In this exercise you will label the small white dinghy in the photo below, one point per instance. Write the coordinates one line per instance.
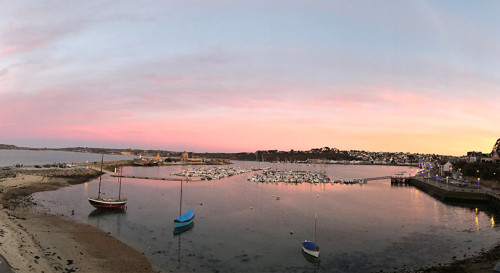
(310, 248)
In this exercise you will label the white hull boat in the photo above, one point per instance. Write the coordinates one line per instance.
(310, 248)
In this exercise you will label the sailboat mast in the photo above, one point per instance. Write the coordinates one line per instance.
(100, 178)
(180, 206)
(315, 220)
(120, 187)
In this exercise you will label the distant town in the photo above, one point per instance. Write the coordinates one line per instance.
(324, 155)
(474, 164)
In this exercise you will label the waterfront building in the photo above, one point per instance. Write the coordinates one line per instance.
(185, 157)
(158, 158)
(446, 169)
(493, 157)
(474, 157)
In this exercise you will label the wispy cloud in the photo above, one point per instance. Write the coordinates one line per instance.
(247, 76)
(7, 50)
(168, 79)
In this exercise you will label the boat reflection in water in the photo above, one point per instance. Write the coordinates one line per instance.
(99, 212)
(179, 230)
(313, 260)
(107, 219)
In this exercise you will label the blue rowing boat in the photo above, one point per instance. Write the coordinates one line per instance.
(310, 248)
(185, 219)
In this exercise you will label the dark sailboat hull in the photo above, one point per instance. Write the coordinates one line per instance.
(107, 203)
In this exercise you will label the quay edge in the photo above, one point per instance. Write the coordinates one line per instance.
(451, 193)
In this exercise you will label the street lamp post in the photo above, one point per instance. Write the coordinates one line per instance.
(478, 179)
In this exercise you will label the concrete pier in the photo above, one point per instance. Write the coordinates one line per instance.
(448, 192)
(399, 180)
(157, 178)
(377, 178)
(494, 199)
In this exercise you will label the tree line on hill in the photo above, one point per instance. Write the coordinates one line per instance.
(282, 156)
(488, 171)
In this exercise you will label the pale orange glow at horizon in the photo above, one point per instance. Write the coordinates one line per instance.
(220, 83)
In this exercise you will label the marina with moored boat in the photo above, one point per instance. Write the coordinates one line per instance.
(214, 173)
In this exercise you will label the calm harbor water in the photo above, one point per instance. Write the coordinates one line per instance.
(29, 158)
(241, 227)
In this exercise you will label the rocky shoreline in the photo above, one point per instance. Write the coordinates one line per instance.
(34, 241)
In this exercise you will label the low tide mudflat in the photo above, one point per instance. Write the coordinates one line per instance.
(34, 241)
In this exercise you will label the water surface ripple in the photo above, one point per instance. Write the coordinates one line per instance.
(241, 227)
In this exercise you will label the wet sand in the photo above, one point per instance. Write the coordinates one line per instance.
(33, 241)
(483, 262)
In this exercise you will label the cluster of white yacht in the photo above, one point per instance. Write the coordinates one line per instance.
(275, 176)
(314, 177)
(214, 172)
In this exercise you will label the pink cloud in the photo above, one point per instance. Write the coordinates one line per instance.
(231, 121)
(7, 50)
(168, 79)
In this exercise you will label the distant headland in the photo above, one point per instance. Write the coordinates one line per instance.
(316, 155)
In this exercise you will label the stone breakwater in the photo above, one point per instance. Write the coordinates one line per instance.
(74, 175)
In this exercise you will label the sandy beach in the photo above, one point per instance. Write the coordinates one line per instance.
(34, 241)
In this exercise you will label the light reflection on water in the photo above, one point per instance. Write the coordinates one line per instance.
(240, 226)
(27, 157)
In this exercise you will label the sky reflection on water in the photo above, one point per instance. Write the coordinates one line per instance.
(240, 226)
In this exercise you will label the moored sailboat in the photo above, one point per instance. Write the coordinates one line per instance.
(311, 248)
(102, 203)
(184, 219)
(107, 203)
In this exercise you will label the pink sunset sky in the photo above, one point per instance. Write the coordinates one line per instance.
(241, 76)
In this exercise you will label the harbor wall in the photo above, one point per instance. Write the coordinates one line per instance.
(449, 193)
(494, 200)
